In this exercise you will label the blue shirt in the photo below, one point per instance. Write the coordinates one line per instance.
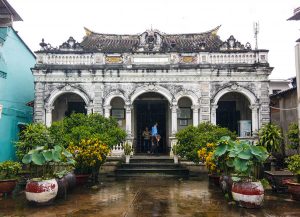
(154, 131)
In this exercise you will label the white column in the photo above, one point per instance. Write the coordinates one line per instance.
(128, 119)
(195, 115)
(174, 108)
(254, 109)
(213, 117)
(48, 116)
(107, 111)
(89, 109)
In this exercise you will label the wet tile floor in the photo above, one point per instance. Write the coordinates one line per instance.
(142, 197)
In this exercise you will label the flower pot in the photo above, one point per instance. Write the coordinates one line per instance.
(214, 179)
(7, 186)
(127, 159)
(82, 179)
(248, 194)
(41, 192)
(71, 180)
(294, 190)
(175, 159)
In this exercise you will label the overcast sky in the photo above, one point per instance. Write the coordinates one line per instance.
(56, 20)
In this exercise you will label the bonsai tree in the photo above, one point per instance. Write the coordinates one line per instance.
(293, 163)
(270, 137)
(293, 136)
(191, 139)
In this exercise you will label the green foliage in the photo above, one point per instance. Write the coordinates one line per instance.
(175, 149)
(34, 135)
(294, 165)
(80, 126)
(293, 136)
(191, 139)
(127, 149)
(9, 170)
(270, 137)
(48, 161)
(239, 156)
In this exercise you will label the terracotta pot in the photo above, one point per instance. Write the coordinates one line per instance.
(7, 186)
(294, 190)
(82, 179)
(215, 179)
(41, 192)
(248, 194)
(71, 180)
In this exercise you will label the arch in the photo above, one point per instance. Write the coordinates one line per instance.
(112, 95)
(189, 94)
(235, 88)
(68, 89)
(152, 88)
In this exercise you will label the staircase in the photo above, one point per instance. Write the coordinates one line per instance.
(151, 166)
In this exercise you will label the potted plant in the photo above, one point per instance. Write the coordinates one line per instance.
(293, 136)
(127, 151)
(45, 163)
(242, 157)
(89, 155)
(175, 153)
(293, 163)
(8, 176)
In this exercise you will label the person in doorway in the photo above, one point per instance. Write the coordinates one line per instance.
(146, 135)
(154, 134)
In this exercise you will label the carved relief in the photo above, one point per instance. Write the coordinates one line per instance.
(188, 59)
(113, 59)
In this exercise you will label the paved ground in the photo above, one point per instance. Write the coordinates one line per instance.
(144, 197)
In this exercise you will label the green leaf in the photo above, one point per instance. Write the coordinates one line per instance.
(67, 154)
(38, 159)
(48, 155)
(240, 165)
(245, 155)
(56, 156)
(58, 148)
(27, 159)
(221, 149)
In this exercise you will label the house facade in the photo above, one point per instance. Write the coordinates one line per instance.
(16, 82)
(175, 80)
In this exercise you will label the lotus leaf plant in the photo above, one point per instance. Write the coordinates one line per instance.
(239, 157)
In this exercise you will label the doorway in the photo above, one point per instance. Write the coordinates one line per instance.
(149, 110)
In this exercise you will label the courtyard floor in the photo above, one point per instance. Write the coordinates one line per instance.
(149, 197)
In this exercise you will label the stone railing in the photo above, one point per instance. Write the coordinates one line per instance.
(118, 150)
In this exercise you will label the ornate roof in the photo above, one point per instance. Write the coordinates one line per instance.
(152, 41)
(6, 10)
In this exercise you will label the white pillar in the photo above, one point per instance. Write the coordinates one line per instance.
(107, 111)
(128, 119)
(213, 116)
(89, 109)
(254, 109)
(174, 108)
(48, 116)
(195, 115)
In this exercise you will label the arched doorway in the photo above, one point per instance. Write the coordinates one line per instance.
(234, 113)
(185, 114)
(150, 108)
(118, 111)
(66, 104)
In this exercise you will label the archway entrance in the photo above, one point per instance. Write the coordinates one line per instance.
(66, 104)
(234, 113)
(149, 109)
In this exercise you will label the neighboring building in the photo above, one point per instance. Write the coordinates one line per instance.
(284, 108)
(16, 81)
(173, 79)
(277, 85)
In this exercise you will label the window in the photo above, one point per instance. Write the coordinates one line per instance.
(118, 113)
(184, 113)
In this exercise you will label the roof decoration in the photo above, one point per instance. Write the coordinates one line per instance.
(233, 44)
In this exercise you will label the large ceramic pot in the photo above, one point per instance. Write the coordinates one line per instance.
(71, 180)
(7, 186)
(294, 190)
(248, 194)
(41, 192)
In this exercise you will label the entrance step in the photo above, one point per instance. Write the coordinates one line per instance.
(151, 166)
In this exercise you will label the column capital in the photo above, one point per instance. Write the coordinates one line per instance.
(49, 108)
(214, 106)
(128, 108)
(195, 107)
(254, 106)
(174, 108)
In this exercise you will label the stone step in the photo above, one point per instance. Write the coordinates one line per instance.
(151, 164)
(151, 160)
(130, 172)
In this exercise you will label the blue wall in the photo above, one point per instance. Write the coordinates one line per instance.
(16, 89)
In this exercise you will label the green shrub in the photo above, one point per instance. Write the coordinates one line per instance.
(80, 126)
(293, 136)
(294, 165)
(270, 137)
(191, 139)
(9, 170)
(34, 135)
